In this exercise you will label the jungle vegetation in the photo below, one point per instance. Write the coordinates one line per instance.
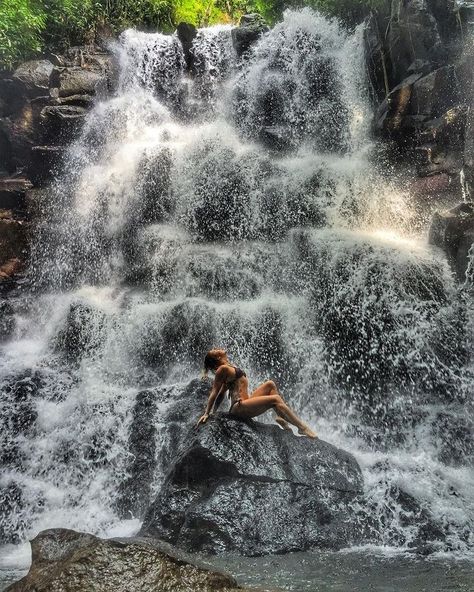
(32, 27)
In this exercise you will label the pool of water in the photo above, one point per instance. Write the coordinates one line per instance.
(14, 563)
(351, 572)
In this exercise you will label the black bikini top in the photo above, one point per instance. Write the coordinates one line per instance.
(238, 374)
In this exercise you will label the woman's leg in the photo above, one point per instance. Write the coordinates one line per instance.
(248, 408)
(267, 389)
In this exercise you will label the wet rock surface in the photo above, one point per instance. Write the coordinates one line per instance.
(251, 27)
(453, 231)
(42, 108)
(13, 246)
(417, 60)
(149, 425)
(186, 34)
(68, 561)
(254, 489)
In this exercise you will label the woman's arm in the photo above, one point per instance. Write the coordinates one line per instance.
(218, 388)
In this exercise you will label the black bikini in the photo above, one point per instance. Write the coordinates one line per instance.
(239, 373)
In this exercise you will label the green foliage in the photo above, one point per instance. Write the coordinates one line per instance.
(197, 12)
(30, 26)
(21, 25)
(209, 12)
(349, 11)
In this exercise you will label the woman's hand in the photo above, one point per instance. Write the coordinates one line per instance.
(203, 419)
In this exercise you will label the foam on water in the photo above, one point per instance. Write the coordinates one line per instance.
(237, 207)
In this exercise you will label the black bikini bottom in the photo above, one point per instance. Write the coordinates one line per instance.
(237, 402)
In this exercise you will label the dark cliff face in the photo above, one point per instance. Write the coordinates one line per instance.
(43, 105)
(419, 62)
(417, 56)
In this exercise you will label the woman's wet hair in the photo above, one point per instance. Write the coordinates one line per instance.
(211, 360)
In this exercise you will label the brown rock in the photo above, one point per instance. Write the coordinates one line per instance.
(13, 245)
(392, 110)
(69, 561)
(78, 80)
(34, 76)
(11, 268)
(12, 237)
(13, 192)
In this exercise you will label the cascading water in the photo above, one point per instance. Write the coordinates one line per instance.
(238, 207)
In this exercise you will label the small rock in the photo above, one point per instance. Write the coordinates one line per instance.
(186, 34)
(251, 27)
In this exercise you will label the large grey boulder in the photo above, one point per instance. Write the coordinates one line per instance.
(255, 489)
(68, 561)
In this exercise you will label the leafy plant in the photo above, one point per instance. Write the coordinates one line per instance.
(21, 26)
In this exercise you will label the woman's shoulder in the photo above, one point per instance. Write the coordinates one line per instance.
(225, 371)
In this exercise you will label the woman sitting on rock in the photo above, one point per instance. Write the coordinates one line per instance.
(234, 380)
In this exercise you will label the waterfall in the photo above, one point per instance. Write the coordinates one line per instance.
(242, 207)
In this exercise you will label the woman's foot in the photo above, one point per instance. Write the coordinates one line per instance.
(283, 424)
(306, 431)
